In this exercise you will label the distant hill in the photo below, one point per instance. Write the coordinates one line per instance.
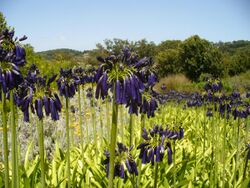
(232, 47)
(74, 57)
(63, 53)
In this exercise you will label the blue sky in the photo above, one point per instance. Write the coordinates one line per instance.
(80, 24)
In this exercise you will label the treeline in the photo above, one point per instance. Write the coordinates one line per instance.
(195, 57)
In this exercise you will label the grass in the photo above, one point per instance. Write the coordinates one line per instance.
(239, 82)
(179, 82)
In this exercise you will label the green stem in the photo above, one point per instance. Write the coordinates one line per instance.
(213, 153)
(216, 154)
(131, 133)
(68, 140)
(5, 141)
(162, 114)
(13, 141)
(107, 118)
(195, 144)
(237, 152)
(113, 142)
(174, 163)
(94, 119)
(80, 118)
(122, 123)
(245, 166)
(18, 149)
(84, 112)
(224, 148)
(143, 121)
(156, 175)
(41, 150)
(101, 122)
(204, 132)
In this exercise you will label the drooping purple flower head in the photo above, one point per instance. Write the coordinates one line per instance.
(35, 94)
(213, 86)
(123, 158)
(12, 56)
(126, 76)
(67, 83)
(152, 149)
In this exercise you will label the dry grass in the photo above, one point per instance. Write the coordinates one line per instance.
(178, 82)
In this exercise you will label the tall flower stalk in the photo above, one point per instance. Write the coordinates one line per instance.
(113, 142)
(107, 117)
(125, 75)
(41, 150)
(5, 140)
(12, 56)
(68, 139)
(156, 142)
(213, 87)
(80, 118)
(101, 122)
(93, 118)
(35, 94)
(13, 141)
(156, 175)
(143, 124)
(174, 163)
(84, 112)
(122, 123)
(246, 161)
(80, 73)
(131, 132)
(224, 148)
(237, 151)
(67, 85)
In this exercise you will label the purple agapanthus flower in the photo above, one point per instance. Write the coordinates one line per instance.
(123, 159)
(127, 76)
(67, 83)
(34, 94)
(156, 141)
(12, 57)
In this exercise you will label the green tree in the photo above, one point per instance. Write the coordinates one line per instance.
(3, 23)
(168, 62)
(239, 62)
(168, 44)
(199, 56)
(142, 47)
(116, 45)
(145, 48)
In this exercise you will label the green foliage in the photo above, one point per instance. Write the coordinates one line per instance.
(239, 62)
(168, 44)
(239, 82)
(50, 62)
(199, 56)
(168, 62)
(3, 24)
(192, 169)
(145, 48)
(193, 57)
(116, 45)
(142, 47)
(60, 54)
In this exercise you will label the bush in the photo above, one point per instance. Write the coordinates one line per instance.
(240, 82)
